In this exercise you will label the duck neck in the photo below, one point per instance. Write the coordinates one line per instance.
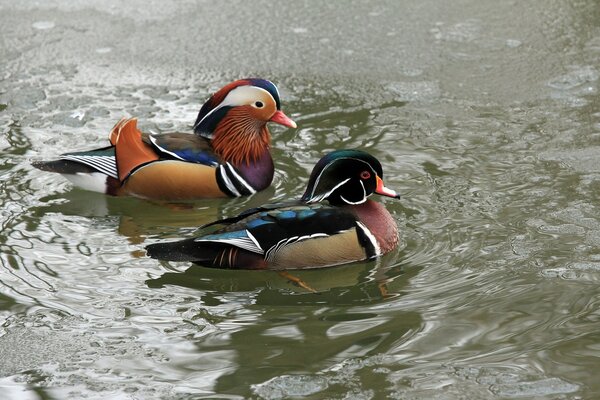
(379, 222)
(240, 139)
(258, 173)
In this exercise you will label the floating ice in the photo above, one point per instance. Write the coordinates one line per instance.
(286, 386)
(43, 25)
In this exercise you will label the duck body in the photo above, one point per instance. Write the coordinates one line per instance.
(301, 234)
(226, 156)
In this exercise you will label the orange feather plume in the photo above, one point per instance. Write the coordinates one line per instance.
(114, 132)
(130, 150)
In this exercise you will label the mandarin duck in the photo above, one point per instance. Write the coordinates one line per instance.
(228, 154)
(306, 233)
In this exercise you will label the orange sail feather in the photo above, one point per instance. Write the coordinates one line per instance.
(130, 150)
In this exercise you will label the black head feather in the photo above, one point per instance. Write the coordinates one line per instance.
(344, 177)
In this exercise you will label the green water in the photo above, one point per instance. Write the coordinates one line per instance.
(485, 115)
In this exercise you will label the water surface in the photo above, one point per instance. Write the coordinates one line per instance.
(485, 115)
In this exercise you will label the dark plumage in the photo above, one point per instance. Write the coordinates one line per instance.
(306, 233)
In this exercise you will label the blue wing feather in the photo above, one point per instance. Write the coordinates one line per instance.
(200, 157)
(275, 227)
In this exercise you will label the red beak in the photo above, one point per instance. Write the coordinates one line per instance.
(382, 190)
(280, 118)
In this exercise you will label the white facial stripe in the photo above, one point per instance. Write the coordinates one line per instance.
(239, 96)
(364, 198)
(277, 92)
(325, 195)
(243, 95)
(353, 202)
(327, 166)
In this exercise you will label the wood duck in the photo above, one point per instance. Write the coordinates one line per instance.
(228, 154)
(306, 233)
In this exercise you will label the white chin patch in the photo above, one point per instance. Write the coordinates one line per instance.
(353, 203)
(95, 181)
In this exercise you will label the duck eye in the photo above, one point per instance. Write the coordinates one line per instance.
(259, 104)
(365, 175)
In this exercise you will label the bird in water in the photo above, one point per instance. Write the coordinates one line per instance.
(333, 223)
(226, 156)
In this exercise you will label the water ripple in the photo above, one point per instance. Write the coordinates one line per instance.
(490, 138)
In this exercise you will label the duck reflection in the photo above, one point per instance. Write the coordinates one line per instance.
(281, 326)
(139, 219)
(365, 280)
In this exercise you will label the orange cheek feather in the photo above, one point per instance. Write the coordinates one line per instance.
(240, 137)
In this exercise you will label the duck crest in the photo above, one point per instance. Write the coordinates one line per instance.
(228, 154)
(240, 139)
(217, 98)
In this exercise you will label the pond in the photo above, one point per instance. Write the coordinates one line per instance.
(486, 118)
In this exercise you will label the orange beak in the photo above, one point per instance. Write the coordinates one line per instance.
(382, 190)
(280, 118)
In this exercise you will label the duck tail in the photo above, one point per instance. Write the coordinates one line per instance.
(183, 250)
(206, 254)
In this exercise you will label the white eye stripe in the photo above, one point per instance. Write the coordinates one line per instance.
(239, 96)
(276, 92)
(243, 95)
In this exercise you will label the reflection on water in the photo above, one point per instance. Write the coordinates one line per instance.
(489, 129)
(346, 285)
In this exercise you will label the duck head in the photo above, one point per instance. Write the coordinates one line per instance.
(235, 119)
(346, 177)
